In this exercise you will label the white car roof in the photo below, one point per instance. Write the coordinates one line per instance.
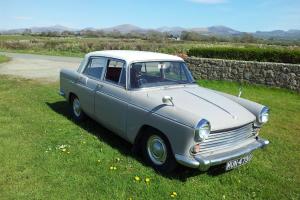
(134, 56)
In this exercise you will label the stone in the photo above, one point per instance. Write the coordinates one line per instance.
(273, 74)
(247, 75)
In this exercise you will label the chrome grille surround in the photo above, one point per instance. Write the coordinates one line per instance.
(219, 140)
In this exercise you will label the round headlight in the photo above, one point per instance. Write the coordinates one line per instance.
(264, 115)
(202, 130)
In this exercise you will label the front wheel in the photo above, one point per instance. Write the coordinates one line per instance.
(157, 152)
(77, 112)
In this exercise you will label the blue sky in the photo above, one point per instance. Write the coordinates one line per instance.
(243, 15)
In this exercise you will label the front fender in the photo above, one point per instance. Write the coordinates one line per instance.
(180, 136)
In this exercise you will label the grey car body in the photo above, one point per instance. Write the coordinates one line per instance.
(174, 110)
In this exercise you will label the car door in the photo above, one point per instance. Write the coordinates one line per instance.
(88, 83)
(111, 97)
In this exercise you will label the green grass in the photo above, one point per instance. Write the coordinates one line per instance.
(3, 59)
(34, 121)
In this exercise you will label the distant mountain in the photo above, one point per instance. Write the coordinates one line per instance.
(124, 28)
(176, 31)
(171, 30)
(56, 28)
(278, 34)
(212, 30)
(223, 30)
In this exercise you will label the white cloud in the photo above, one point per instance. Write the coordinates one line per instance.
(22, 18)
(208, 1)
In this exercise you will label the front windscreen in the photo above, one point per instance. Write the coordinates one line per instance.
(152, 74)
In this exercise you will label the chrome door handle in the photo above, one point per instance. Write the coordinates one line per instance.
(80, 78)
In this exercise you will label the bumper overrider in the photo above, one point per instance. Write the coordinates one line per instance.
(204, 162)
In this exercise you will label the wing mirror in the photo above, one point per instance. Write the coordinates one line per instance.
(167, 99)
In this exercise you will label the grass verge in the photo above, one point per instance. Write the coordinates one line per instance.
(4, 59)
(96, 164)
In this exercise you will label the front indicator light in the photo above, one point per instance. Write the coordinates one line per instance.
(196, 149)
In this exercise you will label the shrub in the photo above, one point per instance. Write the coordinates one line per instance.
(248, 54)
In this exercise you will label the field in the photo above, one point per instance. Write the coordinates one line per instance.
(78, 46)
(45, 155)
(3, 59)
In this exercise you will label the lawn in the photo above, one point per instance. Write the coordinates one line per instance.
(3, 59)
(45, 155)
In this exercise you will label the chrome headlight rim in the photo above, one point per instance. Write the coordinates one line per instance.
(202, 130)
(264, 115)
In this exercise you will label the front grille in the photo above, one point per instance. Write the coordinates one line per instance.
(224, 139)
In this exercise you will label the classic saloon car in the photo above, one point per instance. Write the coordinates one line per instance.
(152, 101)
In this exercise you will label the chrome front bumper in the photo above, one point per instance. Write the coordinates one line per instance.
(204, 162)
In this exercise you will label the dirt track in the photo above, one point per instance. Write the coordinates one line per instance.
(37, 66)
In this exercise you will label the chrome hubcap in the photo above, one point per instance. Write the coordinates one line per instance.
(157, 150)
(76, 107)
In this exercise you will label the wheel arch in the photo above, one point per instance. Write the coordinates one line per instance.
(71, 96)
(143, 130)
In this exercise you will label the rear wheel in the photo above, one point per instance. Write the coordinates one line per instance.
(157, 152)
(77, 112)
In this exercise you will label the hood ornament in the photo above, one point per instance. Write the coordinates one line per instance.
(167, 99)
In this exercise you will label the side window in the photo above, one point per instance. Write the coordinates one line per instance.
(116, 72)
(95, 67)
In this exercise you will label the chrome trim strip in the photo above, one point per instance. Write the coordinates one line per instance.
(173, 120)
(99, 92)
(167, 118)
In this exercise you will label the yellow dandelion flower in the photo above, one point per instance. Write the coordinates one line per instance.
(137, 178)
(111, 168)
(64, 150)
(147, 180)
(98, 161)
(172, 195)
(68, 152)
(114, 168)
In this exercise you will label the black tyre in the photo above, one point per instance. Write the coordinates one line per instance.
(157, 152)
(77, 113)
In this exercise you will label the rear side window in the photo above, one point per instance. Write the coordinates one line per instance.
(95, 67)
(116, 72)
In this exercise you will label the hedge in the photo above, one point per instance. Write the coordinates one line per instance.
(248, 54)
